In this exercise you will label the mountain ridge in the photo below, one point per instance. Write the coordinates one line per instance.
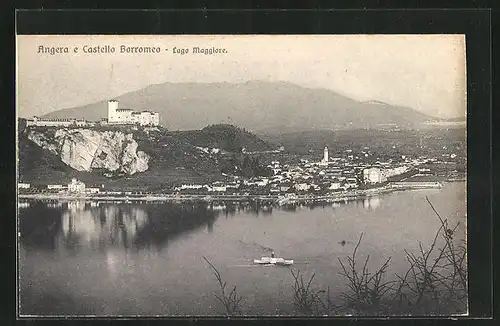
(254, 105)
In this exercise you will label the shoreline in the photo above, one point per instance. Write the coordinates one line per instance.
(279, 199)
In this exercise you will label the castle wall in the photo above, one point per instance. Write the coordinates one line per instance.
(146, 118)
(156, 119)
(55, 122)
(49, 123)
(115, 116)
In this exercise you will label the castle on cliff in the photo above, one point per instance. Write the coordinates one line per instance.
(129, 116)
(115, 116)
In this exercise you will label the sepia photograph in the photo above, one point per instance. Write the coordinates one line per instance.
(241, 175)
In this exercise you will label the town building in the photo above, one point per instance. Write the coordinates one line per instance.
(129, 116)
(92, 190)
(189, 186)
(302, 186)
(233, 185)
(284, 188)
(56, 187)
(274, 189)
(218, 188)
(395, 171)
(334, 186)
(22, 185)
(373, 175)
(324, 160)
(262, 182)
(76, 186)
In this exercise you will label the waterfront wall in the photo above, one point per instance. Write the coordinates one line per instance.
(416, 185)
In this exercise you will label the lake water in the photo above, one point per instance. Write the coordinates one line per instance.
(106, 259)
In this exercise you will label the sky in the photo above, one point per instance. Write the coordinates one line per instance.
(424, 72)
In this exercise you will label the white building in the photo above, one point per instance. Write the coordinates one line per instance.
(284, 188)
(115, 116)
(23, 185)
(262, 182)
(277, 179)
(56, 187)
(189, 186)
(373, 175)
(218, 188)
(302, 186)
(233, 185)
(395, 171)
(351, 183)
(76, 186)
(325, 155)
(334, 186)
(93, 190)
(129, 116)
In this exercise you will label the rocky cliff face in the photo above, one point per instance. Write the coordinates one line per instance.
(86, 149)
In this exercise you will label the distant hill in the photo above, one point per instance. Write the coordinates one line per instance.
(424, 141)
(256, 105)
(457, 120)
(225, 137)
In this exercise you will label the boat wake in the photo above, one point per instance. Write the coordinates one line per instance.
(249, 265)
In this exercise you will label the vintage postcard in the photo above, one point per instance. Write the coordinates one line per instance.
(250, 175)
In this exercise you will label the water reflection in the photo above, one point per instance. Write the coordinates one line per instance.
(54, 205)
(77, 225)
(39, 225)
(75, 206)
(371, 203)
(114, 280)
(101, 227)
(166, 222)
(255, 208)
(113, 261)
(23, 204)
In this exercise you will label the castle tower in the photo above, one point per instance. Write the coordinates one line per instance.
(112, 107)
(325, 154)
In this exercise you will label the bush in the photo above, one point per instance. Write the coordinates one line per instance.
(230, 301)
(367, 289)
(436, 280)
(434, 283)
(309, 301)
